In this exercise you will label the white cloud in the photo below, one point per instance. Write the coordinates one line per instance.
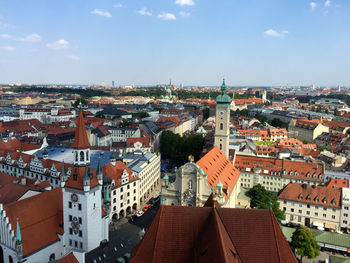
(327, 3)
(30, 38)
(5, 36)
(184, 2)
(101, 12)
(59, 44)
(118, 6)
(183, 13)
(7, 48)
(313, 5)
(144, 12)
(167, 16)
(274, 33)
(73, 57)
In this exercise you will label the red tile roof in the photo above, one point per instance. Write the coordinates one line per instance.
(81, 140)
(131, 141)
(16, 145)
(217, 167)
(206, 234)
(40, 219)
(76, 179)
(115, 172)
(70, 258)
(316, 195)
(338, 183)
(280, 167)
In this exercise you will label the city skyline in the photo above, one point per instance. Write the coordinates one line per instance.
(194, 42)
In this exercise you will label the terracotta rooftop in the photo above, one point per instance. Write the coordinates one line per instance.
(131, 141)
(207, 234)
(217, 167)
(81, 140)
(115, 172)
(40, 219)
(279, 167)
(76, 179)
(338, 183)
(70, 258)
(316, 195)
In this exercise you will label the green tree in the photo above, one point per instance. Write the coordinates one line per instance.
(205, 113)
(319, 109)
(100, 115)
(305, 243)
(336, 112)
(261, 118)
(260, 198)
(140, 114)
(83, 101)
(177, 149)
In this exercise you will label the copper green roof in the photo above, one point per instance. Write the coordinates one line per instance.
(18, 233)
(223, 98)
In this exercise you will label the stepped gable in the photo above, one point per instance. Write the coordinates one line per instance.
(40, 218)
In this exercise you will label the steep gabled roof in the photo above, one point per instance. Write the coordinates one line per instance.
(81, 140)
(218, 167)
(40, 219)
(206, 234)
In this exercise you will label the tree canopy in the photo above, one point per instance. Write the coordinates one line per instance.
(260, 198)
(177, 149)
(305, 243)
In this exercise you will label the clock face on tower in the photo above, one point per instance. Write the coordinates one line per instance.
(74, 198)
(221, 113)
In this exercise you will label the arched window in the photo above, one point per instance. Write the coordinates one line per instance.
(10, 259)
(87, 156)
(221, 126)
(82, 156)
(220, 146)
(52, 257)
(190, 184)
(76, 156)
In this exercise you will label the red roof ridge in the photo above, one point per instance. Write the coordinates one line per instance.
(272, 217)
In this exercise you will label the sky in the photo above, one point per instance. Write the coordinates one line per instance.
(191, 42)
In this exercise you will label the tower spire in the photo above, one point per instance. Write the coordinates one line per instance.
(81, 140)
(18, 233)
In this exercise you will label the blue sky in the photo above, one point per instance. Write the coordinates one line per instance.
(194, 42)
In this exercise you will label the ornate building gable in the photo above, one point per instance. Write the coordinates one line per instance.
(53, 170)
(9, 160)
(21, 162)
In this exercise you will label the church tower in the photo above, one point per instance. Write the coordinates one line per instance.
(85, 219)
(222, 121)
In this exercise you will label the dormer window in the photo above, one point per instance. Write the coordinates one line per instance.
(334, 202)
(308, 198)
(316, 199)
(324, 200)
(300, 197)
(296, 174)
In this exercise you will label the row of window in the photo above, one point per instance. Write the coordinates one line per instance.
(74, 243)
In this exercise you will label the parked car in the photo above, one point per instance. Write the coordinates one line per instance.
(146, 208)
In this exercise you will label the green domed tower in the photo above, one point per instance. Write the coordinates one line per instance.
(222, 120)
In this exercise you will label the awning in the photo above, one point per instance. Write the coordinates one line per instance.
(318, 224)
(330, 226)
